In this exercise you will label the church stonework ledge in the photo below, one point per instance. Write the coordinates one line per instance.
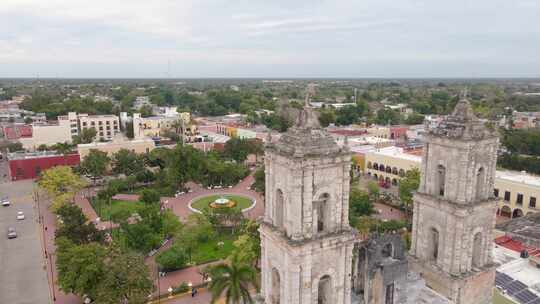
(306, 241)
(454, 209)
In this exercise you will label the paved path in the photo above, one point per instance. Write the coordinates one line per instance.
(385, 212)
(48, 229)
(179, 205)
(23, 279)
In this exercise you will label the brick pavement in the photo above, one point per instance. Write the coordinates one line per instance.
(179, 205)
(385, 212)
(48, 228)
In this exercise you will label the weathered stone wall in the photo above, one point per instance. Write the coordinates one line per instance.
(462, 161)
(382, 268)
(456, 227)
(303, 181)
(454, 209)
(305, 235)
(302, 264)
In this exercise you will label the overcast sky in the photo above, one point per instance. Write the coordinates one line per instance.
(270, 38)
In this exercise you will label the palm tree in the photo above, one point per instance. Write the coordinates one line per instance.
(233, 281)
(63, 148)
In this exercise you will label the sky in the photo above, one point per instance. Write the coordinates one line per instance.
(269, 38)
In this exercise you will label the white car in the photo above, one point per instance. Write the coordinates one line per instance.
(20, 215)
(5, 202)
(11, 233)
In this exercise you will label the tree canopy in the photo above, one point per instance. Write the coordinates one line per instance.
(408, 185)
(75, 227)
(61, 184)
(126, 162)
(95, 163)
(105, 274)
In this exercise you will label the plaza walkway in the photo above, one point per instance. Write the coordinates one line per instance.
(179, 205)
(48, 227)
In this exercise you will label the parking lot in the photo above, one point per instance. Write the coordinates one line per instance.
(22, 276)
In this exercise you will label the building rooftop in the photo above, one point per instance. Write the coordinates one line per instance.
(519, 177)
(397, 153)
(99, 116)
(115, 142)
(30, 155)
(525, 229)
(368, 140)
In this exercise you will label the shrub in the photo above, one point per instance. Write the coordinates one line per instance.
(173, 258)
(183, 287)
(149, 196)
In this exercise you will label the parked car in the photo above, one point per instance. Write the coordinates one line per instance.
(11, 233)
(20, 215)
(5, 202)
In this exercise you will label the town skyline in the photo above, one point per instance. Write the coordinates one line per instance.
(285, 40)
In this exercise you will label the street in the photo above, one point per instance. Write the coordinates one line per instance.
(22, 276)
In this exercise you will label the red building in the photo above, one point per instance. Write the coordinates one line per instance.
(30, 165)
(17, 131)
(398, 132)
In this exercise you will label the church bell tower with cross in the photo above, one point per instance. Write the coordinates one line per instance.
(306, 241)
(455, 209)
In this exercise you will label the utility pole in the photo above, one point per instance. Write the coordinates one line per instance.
(158, 288)
(52, 278)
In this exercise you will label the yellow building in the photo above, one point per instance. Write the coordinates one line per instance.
(139, 146)
(518, 191)
(389, 164)
(156, 126)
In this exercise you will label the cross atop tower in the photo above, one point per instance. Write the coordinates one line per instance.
(454, 208)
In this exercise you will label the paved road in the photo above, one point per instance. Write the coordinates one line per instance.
(22, 272)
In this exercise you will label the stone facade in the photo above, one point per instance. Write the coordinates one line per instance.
(306, 241)
(454, 209)
(380, 270)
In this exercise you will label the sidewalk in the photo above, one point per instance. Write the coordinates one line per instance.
(48, 226)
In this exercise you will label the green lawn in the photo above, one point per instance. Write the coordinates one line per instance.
(104, 209)
(210, 251)
(242, 202)
(500, 299)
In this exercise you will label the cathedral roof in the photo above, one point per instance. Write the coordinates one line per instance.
(307, 137)
(463, 124)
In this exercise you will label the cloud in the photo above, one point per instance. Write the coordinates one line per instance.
(246, 37)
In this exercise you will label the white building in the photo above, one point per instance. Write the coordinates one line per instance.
(106, 126)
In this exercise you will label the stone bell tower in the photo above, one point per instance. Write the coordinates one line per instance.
(306, 239)
(454, 208)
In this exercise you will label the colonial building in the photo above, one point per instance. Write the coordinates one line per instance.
(454, 209)
(307, 243)
(519, 191)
